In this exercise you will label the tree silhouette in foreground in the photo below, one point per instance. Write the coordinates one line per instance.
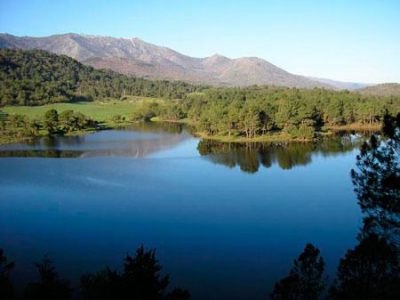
(6, 287)
(377, 180)
(305, 279)
(369, 271)
(140, 279)
(50, 285)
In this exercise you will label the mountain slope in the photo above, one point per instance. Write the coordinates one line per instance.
(342, 85)
(384, 89)
(136, 57)
(36, 77)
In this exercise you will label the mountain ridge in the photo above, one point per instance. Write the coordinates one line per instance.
(134, 56)
(383, 89)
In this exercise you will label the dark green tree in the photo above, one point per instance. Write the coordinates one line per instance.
(51, 121)
(6, 286)
(377, 179)
(305, 280)
(140, 279)
(370, 271)
(49, 286)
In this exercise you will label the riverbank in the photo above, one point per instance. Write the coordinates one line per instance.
(267, 138)
(356, 127)
(111, 114)
(276, 136)
(115, 114)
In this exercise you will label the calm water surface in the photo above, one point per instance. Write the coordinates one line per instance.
(226, 220)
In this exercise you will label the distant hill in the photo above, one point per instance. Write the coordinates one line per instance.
(342, 85)
(384, 89)
(36, 77)
(136, 57)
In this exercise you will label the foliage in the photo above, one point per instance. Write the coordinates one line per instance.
(377, 179)
(51, 121)
(259, 110)
(20, 126)
(6, 287)
(372, 269)
(146, 111)
(140, 279)
(369, 271)
(305, 280)
(50, 286)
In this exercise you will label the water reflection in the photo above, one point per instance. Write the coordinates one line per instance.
(139, 140)
(41, 153)
(143, 139)
(249, 157)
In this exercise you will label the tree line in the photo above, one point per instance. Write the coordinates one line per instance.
(141, 278)
(52, 123)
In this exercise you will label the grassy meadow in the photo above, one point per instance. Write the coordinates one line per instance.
(102, 111)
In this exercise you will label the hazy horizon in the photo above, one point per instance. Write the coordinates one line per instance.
(346, 41)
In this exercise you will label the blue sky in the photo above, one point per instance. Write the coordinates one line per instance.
(343, 40)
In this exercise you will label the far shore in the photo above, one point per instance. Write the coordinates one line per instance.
(266, 138)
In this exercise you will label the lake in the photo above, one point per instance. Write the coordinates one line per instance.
(227, 220)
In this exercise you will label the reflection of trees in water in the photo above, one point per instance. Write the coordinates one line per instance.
(170, 135)
(41, 153)
(141, 147)
(250, 156)
(371, 270)
(163, 127)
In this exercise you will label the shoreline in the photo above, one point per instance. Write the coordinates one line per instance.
(268, 138)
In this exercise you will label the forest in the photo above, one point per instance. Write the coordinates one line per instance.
(259, 110)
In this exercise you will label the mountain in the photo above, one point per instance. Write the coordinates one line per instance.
(342, 85)
(136, 57)
(384, 89)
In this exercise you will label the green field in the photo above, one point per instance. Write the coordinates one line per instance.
(102, 111)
